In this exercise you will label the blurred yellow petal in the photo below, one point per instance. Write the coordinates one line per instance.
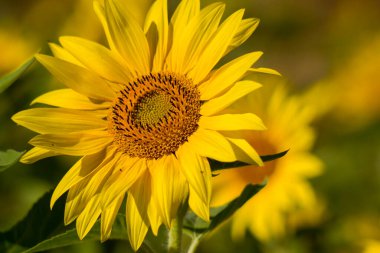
(287, 191)
(223, 190)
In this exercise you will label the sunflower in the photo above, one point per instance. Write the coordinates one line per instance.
(371, 246)
(288, 122)
(144, 114)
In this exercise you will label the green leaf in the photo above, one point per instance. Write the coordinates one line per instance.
(40, 223)
(220, 214)
(42, 229)
(10, 78)
(70, 237)
(8, 158)
(248, 192)
(216, 165)
(268, 158)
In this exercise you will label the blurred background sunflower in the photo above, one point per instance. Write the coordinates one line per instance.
(328, 51)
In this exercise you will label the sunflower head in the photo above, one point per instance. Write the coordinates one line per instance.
(154, 115)
(288, 190)
(145, 113)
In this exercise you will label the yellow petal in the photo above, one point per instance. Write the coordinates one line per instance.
(158, 16)
(128, 37)
(76, 202)
(239, 90)
(74, 206)
(245, 152)
(216, 47)
(137, 9)
(245, 30)
(63, 54)
(265, 71)
(227, 75)
(209, 143)
(67, 98)
(101, 13)
(137, 204)
(78, 171)
(58, 120)
(137, 226)
(169, 187)
(75, 144)
(96, 58)
(35, 154)
(190, 43)
(88, 217)
(198, 206)
(228, 185)
(204, 27)
(154, 216)
(232, 122)
(197, 171)
(186, 10)
(127, 171)
(108, 218)
(99, 178)
(77, 78)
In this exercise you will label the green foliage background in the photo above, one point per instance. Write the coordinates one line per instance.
(309, 42)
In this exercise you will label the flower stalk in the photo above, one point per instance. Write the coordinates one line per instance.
(175, 232)
(175, 236)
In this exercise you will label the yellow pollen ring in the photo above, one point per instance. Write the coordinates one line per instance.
(154, 115)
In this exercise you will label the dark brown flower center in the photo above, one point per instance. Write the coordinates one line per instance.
(154, 115)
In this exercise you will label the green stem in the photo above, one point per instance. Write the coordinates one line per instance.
(175, 236)
(194, 244)
(175, 232)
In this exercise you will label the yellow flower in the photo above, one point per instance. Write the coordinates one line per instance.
(144, 115)
(288, 123)
(356, 88)
(372, 246)
(14, 49)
